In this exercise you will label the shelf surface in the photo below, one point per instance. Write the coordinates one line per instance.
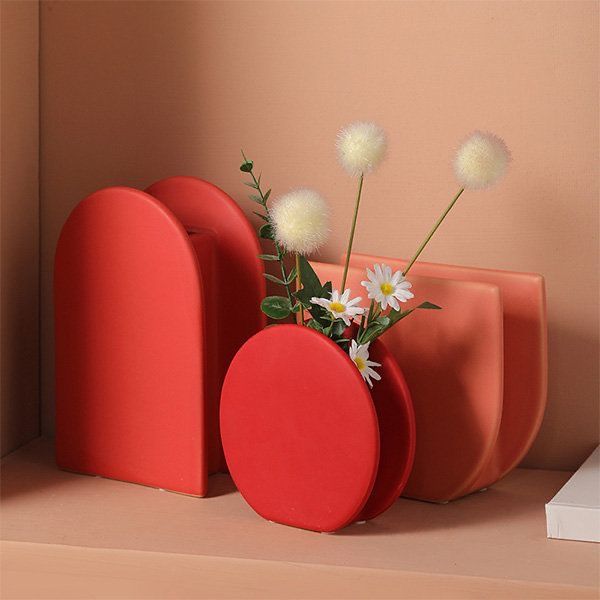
(499, 534)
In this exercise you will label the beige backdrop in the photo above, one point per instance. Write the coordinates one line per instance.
(20, 224)
(135, 91)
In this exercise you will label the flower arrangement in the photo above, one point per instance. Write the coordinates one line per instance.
(297, 224)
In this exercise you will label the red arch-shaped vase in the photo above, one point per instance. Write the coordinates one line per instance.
(152, 300)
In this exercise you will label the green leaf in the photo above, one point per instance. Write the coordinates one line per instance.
(291, 276)
(396, 315)
(274, 279)
(251, 184)
(276, 307)
(312, 324)
(263, 217)
(266, 232)
(297, 307)
(375, 328)
(266, 196)
(247, 166)
(256, 199)
(338, 329)
(310, 280)
(271, 257)
(311, 287)
(429, 305)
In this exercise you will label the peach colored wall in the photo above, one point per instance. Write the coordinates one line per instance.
(135, 91)
(20, 408)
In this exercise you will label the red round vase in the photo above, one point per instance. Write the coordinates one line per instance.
(306, 442)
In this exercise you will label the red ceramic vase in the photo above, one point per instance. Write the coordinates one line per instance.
(306, 442)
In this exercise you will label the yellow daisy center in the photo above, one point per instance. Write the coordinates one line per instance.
(386, 288)
(337, 307)
(360, 363)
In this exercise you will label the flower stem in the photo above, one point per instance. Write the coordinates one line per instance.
(364, 322)
(351, 240)
(433, 230)
(298, 286)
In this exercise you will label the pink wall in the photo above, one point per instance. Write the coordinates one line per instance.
(135, 91)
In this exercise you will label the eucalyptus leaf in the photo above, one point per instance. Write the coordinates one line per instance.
(256, 199)
(269, 257)
(274, 279)
(266, 196)
(263, 217)
(276, 307)
(251, 184)
(266, 232)
(291, 276)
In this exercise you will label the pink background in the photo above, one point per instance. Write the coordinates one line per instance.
(134, 91)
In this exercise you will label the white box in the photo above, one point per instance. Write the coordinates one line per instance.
(574, 513)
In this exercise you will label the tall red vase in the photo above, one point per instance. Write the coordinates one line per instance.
(145, 323)
(306, 442)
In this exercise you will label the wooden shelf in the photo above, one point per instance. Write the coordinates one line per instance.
(71, 536)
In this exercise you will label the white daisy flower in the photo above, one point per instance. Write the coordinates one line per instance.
(341, 307)
(385, 288)
(360, 356)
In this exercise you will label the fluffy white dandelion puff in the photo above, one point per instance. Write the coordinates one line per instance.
(481, 160)
(300, 221)
(361, 147)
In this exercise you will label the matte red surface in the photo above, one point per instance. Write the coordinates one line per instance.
(149, 312)
(299, 429)
(525, 357)
(129, 344)
(453, 363)
(397, 435)
(232, 277)
(306, 443)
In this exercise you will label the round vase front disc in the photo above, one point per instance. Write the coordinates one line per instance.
(299, 429)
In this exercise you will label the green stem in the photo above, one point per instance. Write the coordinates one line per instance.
(351, 240)
(433, 230)
(328, 334)
(280, 252)
(364, 325)
(298, 286)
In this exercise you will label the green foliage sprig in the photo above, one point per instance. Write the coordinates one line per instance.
(275, 307)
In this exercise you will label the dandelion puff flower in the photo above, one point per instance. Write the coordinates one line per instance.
(481, 160)
(360, 355)
(300, 221)
(361, 147)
